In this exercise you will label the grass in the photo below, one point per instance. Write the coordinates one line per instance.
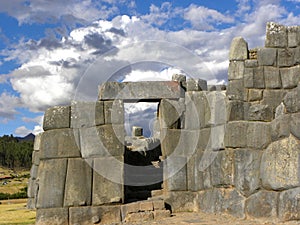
(14, 212)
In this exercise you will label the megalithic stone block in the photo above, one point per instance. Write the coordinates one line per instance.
(288, 207)
(57, 117)
(171, 113)
(196, 85)
(236, 70)
(175, 173)
(114, 112)
(238, 49)
(54, 216)
(52, 177)
(290, 76)
(276, 35)
(293, 36)
(267, 56)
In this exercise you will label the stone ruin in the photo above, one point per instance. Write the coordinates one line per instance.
(216, 149)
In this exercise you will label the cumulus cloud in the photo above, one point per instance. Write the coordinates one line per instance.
(8, 105)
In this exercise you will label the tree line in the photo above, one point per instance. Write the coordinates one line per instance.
(14, 152)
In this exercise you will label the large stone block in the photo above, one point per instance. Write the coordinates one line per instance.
(196, 85)
(254, 77)
(255, 95)
(151, 90)
(258, 135)
(236, 70)
(78, 183)
(288, 206)
(235, 90)
(267, 56)
(258, 112)
(181, 201)
(233, 203)
(235, 110)
(272, 77)
(280, 127)
(32, 188)
(251, 63)
(292, 100)
(100, 141)
(273, 98)
(210, 201)
(262, 204)
(54, 216)
(246, 171)
(95, 215)
(290, 76)
(216, 110)
(286, 57)
(57, 117)
(293, 36)
(175, 173)
(108, 180)
(86, 114)
(280, 163)
(52, 177)
(114, 112)
(236, 134)
(295, 124)
(171, 113)
(37, 142)
(276, 35)
(61, 143)
(238, 49)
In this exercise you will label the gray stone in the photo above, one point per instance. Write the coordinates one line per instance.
(267, 56)
(235, 90)
(108, 180)
(86, 114)
(114, 112)
(34, 171)
(216, 110)
(175, 173)
(280, 127)
(280, 163)
(262, 204)
(32, 188)
(37, 142)
(181, 201)
(179, 78)
(57, 117)
(286, 57)
(272, 77)
(273, 98)
(90, 215)
(78, 183)
(60, 143)
(210, 201)
(288, 206)
(246, 171)
(236, 70)
(258, 135)
(36, 158)
(137, 131)
(254, 77)
(105, 140)
(196, 85)
(276, 35)
(54, 216)
(233, 203)
(290, 76)
(31, 203)
(295, 124)
(292, 100)
(251, 63)
(221, 169)
(139, 217)
(171, 113)
(255, 95)
(235, 110)
(238, 49)
(236, 134)
(297, 56)
(258, 112)
(52, 177)
(293, 36)
(280, 110)
(154, 90)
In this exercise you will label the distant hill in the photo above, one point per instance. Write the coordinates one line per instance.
(29, 137)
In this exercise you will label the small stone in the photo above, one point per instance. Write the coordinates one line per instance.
(95, 219)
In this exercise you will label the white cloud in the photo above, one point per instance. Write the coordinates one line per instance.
(8, 105)
(22, 131)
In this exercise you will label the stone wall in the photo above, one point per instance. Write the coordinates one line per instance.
(230, 151)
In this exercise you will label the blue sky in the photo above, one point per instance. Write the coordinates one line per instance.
(47, 46)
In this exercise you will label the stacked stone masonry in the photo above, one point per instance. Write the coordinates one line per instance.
(233, 149)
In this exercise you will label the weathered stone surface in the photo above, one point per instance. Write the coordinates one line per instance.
(95, 215)
(171, 113)
(288, 206)
(238, 49)
(78, 183)
(236, 134)
(114, 112)
(60, 143)
(280, 127)
(181, 201)
(260, 112)
(105, 140)
(140, 90)
(108, 180)
(254, 77)
(86, 114)
(295, 124)
(34, 171)
(280, 163)
(267, 56)
(276, 35)
(280, 110)
(196, 85)
(236, 70)
(139, 217)
(262, 204)
(235, 110)
(272, 77)
(175, 173)
(146, 206)
(32, 188)
(137, 131)
(246, 171)
(251, 63)
(57, 117)
(216, 111)
(258, 135)
(158, 214)
(273, 98)
(52, 176)
(286, 57)
(235, 90)
(35, 158)
(37, 142)
(293, 36)
(292, 100)
(179, 77)
(210, 201)
(233, 203)
(255, 95)
(290, 76)
(54, 216)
